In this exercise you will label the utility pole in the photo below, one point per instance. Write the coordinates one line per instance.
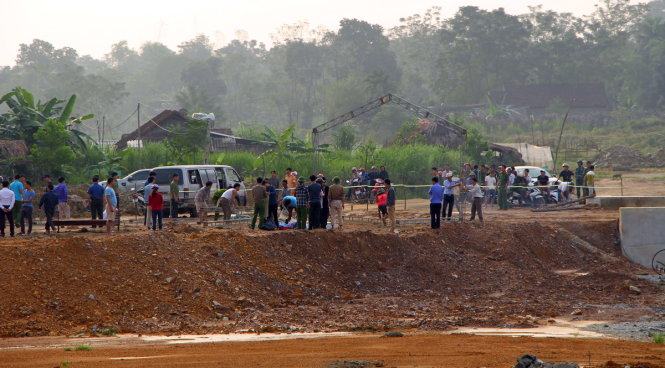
(99, 134)
(138, 123)
(563, 124)
(103, 128)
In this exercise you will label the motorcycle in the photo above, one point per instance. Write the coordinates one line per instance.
(359, 192)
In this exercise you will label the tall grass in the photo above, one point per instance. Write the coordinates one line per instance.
(407, 164)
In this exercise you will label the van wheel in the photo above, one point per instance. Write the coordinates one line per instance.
(192, 213)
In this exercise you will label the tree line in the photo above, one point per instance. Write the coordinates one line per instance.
(308, 77)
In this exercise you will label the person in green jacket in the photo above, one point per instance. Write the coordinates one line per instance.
(503, 188)
(580, 171)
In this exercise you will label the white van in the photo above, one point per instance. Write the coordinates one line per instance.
(193, 177)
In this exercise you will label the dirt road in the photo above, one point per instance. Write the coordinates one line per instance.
(410, 351)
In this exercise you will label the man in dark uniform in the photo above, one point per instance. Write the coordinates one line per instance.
(580, 171)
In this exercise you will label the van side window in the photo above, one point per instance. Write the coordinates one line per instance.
(232, 176)
(212, 176)
(194, 177)
(221, 177)
(141, 175)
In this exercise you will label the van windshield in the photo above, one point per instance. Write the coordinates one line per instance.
(164, 176)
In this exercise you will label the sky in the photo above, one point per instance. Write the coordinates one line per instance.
(92, 26)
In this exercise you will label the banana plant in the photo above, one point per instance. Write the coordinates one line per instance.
(25, 117)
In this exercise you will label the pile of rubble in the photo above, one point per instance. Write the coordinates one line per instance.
(227, 281)
(622, 157)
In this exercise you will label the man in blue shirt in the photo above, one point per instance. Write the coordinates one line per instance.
(26, 208)
(435, 200)
(96, 193)
(272, 202)
(111, 203)
(17, 187)
(62, 193)
(314, 194)
(448, 195)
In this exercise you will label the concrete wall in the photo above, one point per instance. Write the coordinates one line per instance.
(616, 202)
(642, 233)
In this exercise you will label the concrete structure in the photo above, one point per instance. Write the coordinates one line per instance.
(617, 202)
(642, 233)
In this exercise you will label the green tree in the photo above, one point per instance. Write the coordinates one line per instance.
(345, 138)
(50, 152)
(190, 140)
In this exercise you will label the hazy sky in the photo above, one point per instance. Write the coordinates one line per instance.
(92, 26)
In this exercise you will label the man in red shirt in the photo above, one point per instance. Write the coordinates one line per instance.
(156, 203)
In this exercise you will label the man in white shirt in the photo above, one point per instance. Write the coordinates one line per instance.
(7, 202)
(475, 194)
(490, 183)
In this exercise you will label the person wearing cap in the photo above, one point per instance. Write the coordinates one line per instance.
(449, 195)
(302, 200)
(336, 203)
(580, 171)
(566, 174)
(147, 190)
(202, 202)
(156, 203)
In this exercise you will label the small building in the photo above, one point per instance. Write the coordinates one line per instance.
(160, 127)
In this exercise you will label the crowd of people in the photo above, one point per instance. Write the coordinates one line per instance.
(18, 203)
(311, 201)
(482, 185)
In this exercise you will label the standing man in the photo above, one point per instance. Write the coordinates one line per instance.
(435, 200)
(336, 203)
(383, 174)
(7, 202)
(503, 188)
(274, 180)
(302, 200)
(259, 194)
(579, 178)
(147, 190)
(63, 194)
(111, 203)
(49, 202)
(490, 183)
(202, 202)
(272, 199)
(476, 195)
(449, 195)
(96, 193)
(26, 208)
(314, 195)
(115, 177)
(566, 174)
(325, 204)
(392, 200)
(17, 186)
(590, 181)
(291, 180)
(174, 196)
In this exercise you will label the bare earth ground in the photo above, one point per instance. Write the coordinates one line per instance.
(419, 351)
(519, 269)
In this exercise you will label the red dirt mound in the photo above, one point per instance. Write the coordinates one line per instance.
(221, 280)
